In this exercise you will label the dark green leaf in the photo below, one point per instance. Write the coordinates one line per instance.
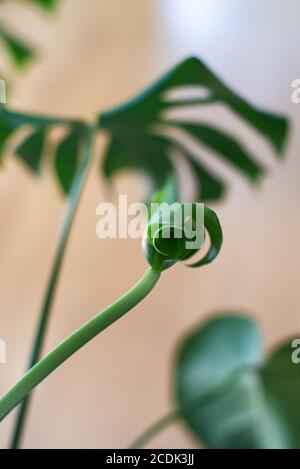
(228, 396)
(213, 228)
(209, 186)
(5, 133)
(6, 129)
(226, 146)
(16, 119)
(133, 120)
(67, 159)
(18, 49)
(144, 153)
(282, 382)
(47, 4)
(30, 151)
(212, 355)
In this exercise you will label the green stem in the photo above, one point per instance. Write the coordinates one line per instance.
(198, 402)
(75, 341)
(71, 209)
(155, 429)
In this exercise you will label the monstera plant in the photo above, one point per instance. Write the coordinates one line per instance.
(137, 139)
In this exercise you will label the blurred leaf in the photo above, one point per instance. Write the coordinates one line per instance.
(30, 151)
(134, 145)
(168, 193)
(46, 4)
(209, 186)
(130, 124)
(228, 396)
(67, 158)
(281, 378)
(226, 146)
(145, 153)
(5, 132)
(14, 120)
(19, 50)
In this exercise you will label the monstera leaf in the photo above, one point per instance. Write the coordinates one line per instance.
(134, 142)
(230, 396)
(46, 4)
(19, 50)
(32, 148)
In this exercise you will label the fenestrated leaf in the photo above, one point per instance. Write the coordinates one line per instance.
(30, 151)
(19, 50)
(226, 146)
(137, 117)
(5, 132)
(7, 128)
(209, 186)
(143, 153)
(228, 396)
(67, 158)
(14, 120)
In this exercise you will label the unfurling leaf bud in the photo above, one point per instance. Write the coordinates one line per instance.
(176, 232)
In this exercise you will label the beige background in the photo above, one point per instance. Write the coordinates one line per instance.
(94, 54)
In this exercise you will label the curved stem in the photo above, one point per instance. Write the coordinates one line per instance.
(155, 429)
(179, 412)
(75, 341)
(71, 209)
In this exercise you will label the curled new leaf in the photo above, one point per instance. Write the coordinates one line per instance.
(176, 232)
(213, 228)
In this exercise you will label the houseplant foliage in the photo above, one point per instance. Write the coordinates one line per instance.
(17, 48)
(229, 393)
(252, 399)
(157, 264)
(137, 139)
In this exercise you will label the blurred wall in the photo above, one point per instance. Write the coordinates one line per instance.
(94, 54)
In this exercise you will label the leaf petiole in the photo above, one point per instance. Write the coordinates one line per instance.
(75, 341)
(71, 210)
